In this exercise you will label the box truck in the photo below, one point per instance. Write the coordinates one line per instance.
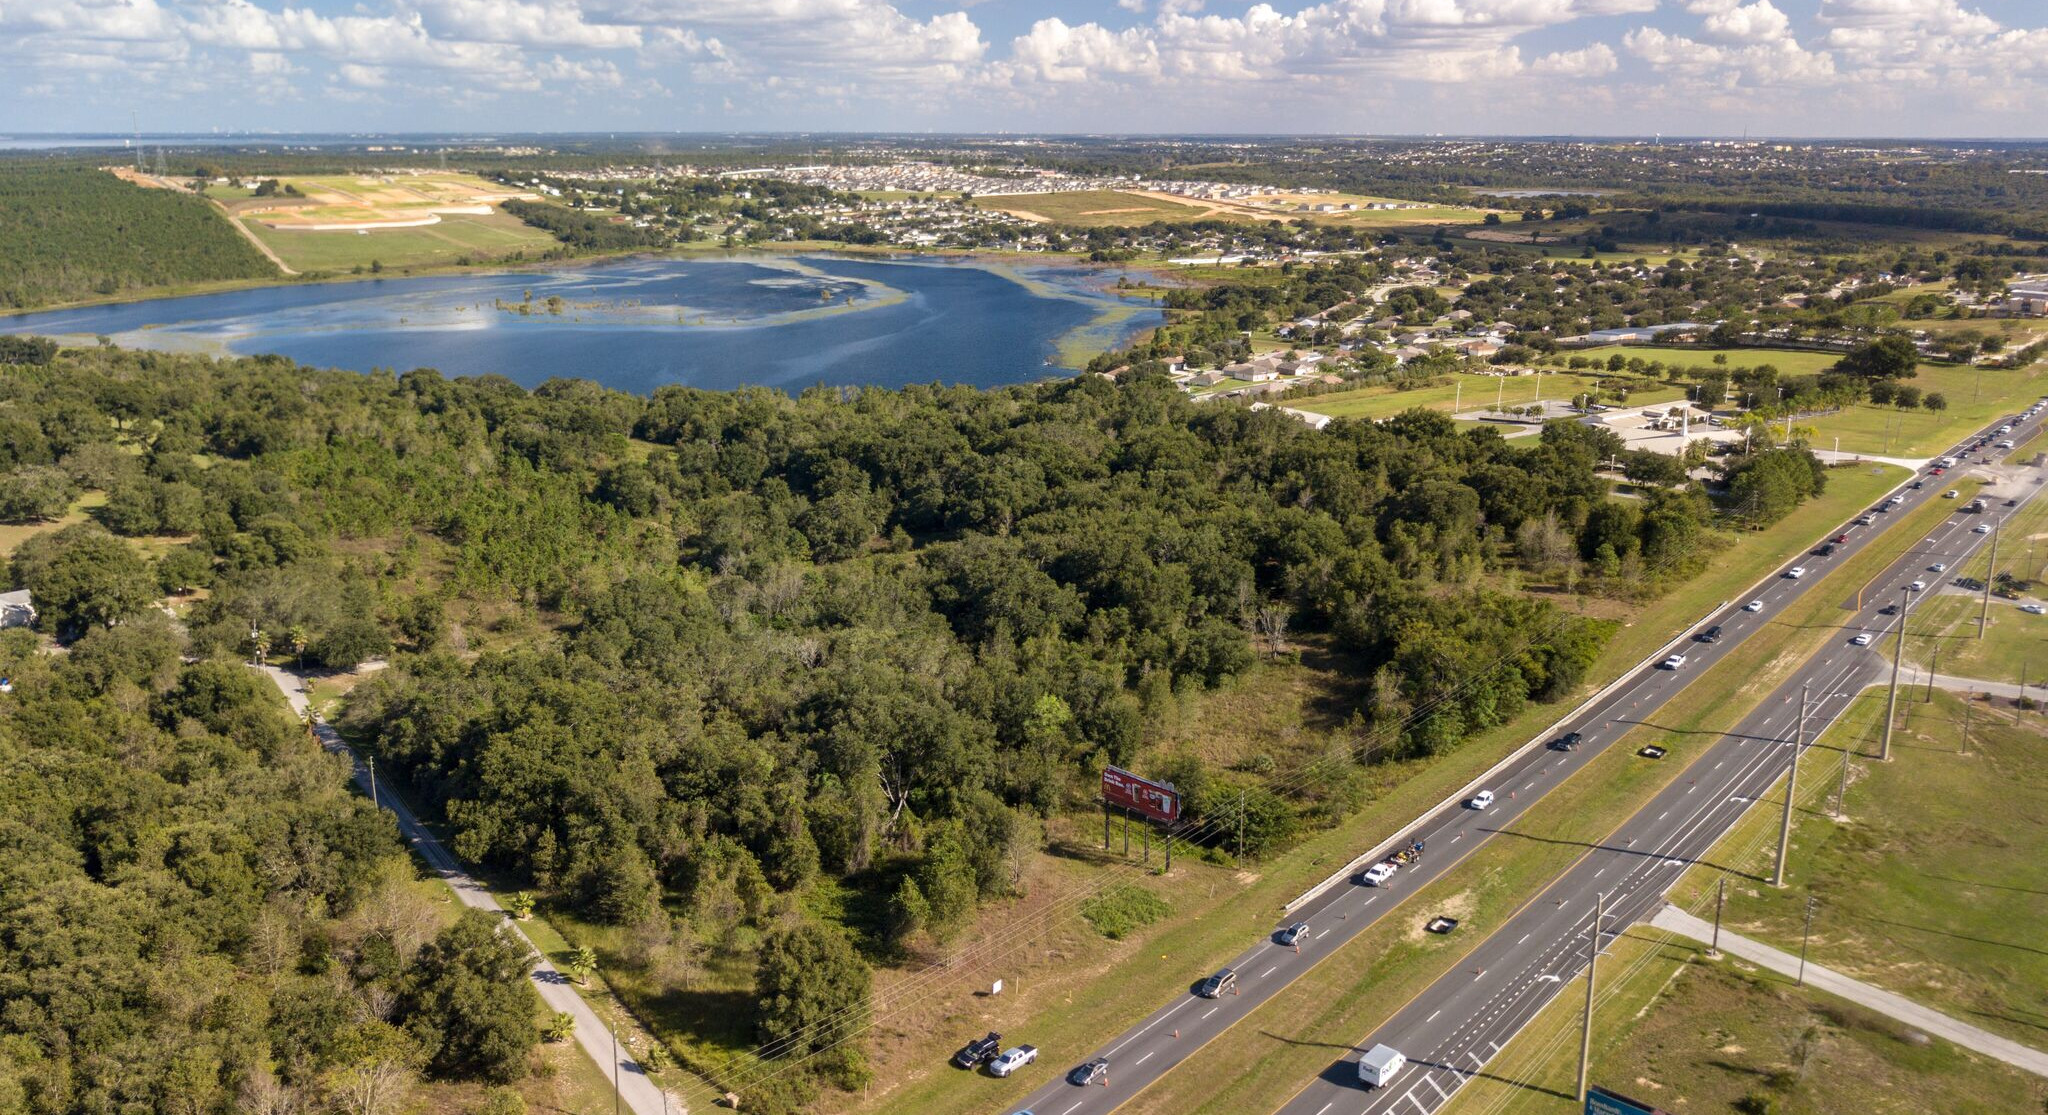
(1379, 1064)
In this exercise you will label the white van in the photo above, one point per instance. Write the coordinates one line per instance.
(1379, 1064)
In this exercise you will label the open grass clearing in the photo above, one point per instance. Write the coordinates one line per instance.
(1789, 362)
(1101, 207)
(12, 535)
(1466, 393)
(455, 236)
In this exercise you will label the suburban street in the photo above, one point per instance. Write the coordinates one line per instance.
(1458, 1024)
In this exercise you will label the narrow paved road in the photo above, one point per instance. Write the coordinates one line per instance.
(1169, 1035)
(1675, 920)
(638, 1092)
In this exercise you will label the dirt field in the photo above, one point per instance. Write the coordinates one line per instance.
(353, 202)
(1137, 207)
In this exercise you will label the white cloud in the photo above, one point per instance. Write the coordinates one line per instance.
(1594, 61)
(1760, 22)
(1055, 52)
(556, 25)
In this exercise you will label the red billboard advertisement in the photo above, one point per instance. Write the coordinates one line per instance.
(1157, 800)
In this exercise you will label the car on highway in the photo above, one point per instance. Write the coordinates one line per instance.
(1293, 933)
(1866, 520)
(1839, 538)
(978, 1051)
(1888, 610)
(2034, 609)
(1013, 1059)
(1676, 661)
(1938, 567)
(1570, 741)
(1918, 484)
(1218, 985)
(1753, 606)
(1862, 639)
(1981, 528)
(1481, 800)
(1378, 874)
(1093, 1072)
(1916, 586)
(1796, 572)
(1936, 471)
(2006, 444)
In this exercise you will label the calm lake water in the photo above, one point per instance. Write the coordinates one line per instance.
(786, 322)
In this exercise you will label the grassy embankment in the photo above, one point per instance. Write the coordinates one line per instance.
(1927, 889)
(1295, 1035)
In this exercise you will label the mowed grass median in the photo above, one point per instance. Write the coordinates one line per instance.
(1321, 1016)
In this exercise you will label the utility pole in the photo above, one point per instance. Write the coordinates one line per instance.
(1791, 790)
(1969, 703)
(1592, 962)
(1842, 790)
(1891, 700)
(1933, 667)
(615, 1067)
(1990, 575)
(1720, 900)
(1240, 822)
(1804, 938)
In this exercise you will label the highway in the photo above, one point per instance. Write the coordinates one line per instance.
(1456, 1025)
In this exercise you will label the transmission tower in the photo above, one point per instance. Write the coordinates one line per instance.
(161, 168)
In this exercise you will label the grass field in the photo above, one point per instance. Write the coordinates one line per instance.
(480, 238)
(14, 534)
(1791, 362)
(1121, 207)
(1472, 392)
(2014, 647)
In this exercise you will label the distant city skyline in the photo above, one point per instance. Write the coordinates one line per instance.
(1784, 68)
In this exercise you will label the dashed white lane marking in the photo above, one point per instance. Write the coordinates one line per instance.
(1269, 971)
(1326, 1107)
(1526, 936)
(1320, 936)
(1432, 1017)
(1070, 1110)
(1146, 1057)
(1210, 1011)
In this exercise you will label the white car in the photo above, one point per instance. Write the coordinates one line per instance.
(1938, 567)
(1981, 528)
(1866, 520)
(1753, 606)
(2006, 444)
(2034, 609)
(1862, 639)
(1012, 1060)
(1796, 572)
(1950, 494)
(1916, 586)
(1378, 874)
(1481, 800)
(1673, 662)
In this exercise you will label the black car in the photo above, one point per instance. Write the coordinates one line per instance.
(1888, 610)
(978, 1051)
(1569, 741)
(1653, 752)
(1710, 635)
(1094, 1072)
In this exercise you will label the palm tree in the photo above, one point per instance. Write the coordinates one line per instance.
(296, 636)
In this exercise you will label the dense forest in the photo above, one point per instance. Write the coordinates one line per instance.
(674, 662)
(69, 233)
(196, 915)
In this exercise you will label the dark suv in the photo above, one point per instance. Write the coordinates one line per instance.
(1569, 741)
(1710, 635)
(978, 1051)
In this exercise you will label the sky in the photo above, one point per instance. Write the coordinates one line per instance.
(1818, 68)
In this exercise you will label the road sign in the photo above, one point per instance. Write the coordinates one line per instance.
(1600, 1101)
(1157, 800)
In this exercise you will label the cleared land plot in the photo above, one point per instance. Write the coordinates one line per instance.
(1791, 362)
(454, 237)
(1471, 392)
(1975, 396)
(1100, 207)
(369, 198)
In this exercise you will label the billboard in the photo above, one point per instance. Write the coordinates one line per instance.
(1157, 800)
(1600, 1101)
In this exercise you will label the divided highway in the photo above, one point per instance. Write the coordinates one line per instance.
(1454, 1027)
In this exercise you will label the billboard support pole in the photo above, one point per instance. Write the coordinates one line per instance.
(1105, 824)
(1169, 848)
(1127, 832)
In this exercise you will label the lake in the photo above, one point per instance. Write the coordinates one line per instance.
(781, 321)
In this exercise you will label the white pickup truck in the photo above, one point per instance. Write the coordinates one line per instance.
(1013, 1059)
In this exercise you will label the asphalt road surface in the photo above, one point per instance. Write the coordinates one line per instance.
(1459, 1023)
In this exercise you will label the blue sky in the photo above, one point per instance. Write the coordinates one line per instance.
(1942, 68)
